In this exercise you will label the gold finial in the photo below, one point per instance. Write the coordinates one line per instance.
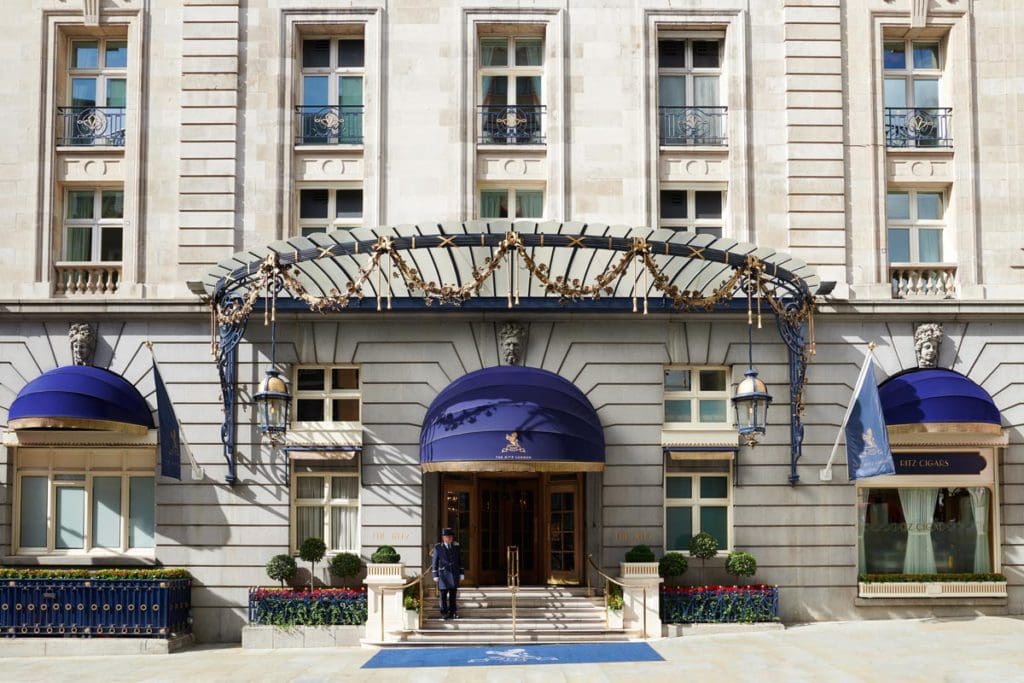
(149, 344)
(872, 346)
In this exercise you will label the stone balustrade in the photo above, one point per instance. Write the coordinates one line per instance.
(923, 281)
(75, 279)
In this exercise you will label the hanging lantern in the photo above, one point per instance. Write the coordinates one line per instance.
(751, 403)
(273, 404)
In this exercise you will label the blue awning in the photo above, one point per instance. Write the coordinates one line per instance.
(511, 418)
(80, 397)
(936, 396)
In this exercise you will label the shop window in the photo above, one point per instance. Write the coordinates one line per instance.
(690, 110)
(511, 203)
(925, 530)
(331, 91)
(912, 77)
(696, 397)
(325, 504)
(693, 211)
(510, 79)
(97, 93)
(695, 503)
(324, 210)
(326, 396)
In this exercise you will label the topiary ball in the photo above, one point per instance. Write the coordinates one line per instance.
(672, 565)
(313, 549)
(640, 553)
(385, 555)
(703, 546)
(740, 564)
(344, 565)
(282, 568)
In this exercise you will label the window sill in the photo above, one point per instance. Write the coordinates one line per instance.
(340, 147)
(330, 435)
(118, 150)
(927, 149)
(706, 149)
(106, 560)
(498, 147)
(688, 436)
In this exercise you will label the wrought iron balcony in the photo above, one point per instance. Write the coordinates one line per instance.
(329, 125)
(78, 278)
(923, 280)
(918, 127)
(90, 126)
(692, 125)
(511, 124)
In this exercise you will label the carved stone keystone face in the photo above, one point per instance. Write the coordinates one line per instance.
(83, 343)
(512, 337)
(927, 337)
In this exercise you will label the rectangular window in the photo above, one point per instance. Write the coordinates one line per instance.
(694, 503)
(511, 203)
(326, 395)
(510, 82)
(97, 93)
(330, 109)
(693, 211)
(912, 74)
(690, 110)
(94, 226)
(696, 397)
(325, 210)
(915, 222)
(325, 505)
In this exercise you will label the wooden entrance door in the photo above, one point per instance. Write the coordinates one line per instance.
(564, 537)
(508, 517)
(457, 513)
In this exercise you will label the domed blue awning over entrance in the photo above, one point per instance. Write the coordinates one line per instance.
(80, 397)
(511, 419)
(935, 396)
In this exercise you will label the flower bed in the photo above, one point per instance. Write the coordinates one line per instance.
(326, 607)
(719, 604)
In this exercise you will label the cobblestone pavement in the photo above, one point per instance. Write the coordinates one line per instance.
(929, 650)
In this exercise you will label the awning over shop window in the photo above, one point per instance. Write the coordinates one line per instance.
(511, 418)
(937, 396)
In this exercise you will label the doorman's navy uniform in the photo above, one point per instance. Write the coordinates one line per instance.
(447, 570)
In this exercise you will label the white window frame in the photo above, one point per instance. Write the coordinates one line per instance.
(327, 503)
(96, 224)
(910, 73)
(691, 224)
(101, 73)
(511, 71)
(512, 204)
(694, 395)
(332, 222)
(332, 70)
(689, 71)
(327, 394)
(695, 502)
(125, 471)
(913, 224)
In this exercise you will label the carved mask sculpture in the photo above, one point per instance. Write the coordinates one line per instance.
(927, 337)
(83, 343)
(512, 337)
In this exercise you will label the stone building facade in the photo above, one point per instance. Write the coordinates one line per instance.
(873, 140)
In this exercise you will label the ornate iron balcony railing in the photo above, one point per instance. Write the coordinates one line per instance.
(923, 280)
(511, 124)
(90, 126)
(920, 127)
(692, 125)
(329, 125)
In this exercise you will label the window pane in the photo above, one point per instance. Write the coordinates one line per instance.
(309, 410)
(929, 206)
(713, 411)
(344, 528)
(529, 204)
(715, 521)
(141, 510)
(929, 245)
(79, 244)
(345, 378)
(112, 205)
(494, 90)
(309, 523)
(673, 204)
(678, 487)
(894, 56)
(671, 54)
(312, 204)
(110, 244)
(493, 52)
(926, 93)
(350, 91)
(348, 204)
(672, 91)
(705, 54)
(885, 532)
(528, 90)
(705, 94)
(350, 53)
(345, 410)
(708, 204)
(314, 91)
(677, 380)
(70, 531)
(116, 92)
(84, 54)
(310, 379)
(494, 204)
(311, 230)
(678, 528)
(528, 51)
(714, 232)
(926, 55)
(712, 380)
(677, 411)
(895, 92)
(83, 92)
(316, 54)
(897, 206)
(345, 487)
(106, 512)
(309, 487)
(714, 487)
(899, 245)
(32, 512)
(80, 204)
(116, 54)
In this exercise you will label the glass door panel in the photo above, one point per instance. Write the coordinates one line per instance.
(564, 542)
(457, 498)
(492, 550)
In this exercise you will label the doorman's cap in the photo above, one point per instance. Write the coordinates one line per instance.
(447, 531)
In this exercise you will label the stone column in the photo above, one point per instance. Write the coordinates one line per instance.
(641, 595)
(383, 583)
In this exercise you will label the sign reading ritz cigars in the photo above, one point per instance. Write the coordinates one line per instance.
(939, 463)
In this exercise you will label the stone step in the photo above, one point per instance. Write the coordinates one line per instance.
(504, 636)
(538, 625)
(433, 605)
(546, 612)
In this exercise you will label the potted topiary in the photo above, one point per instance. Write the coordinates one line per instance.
(385, 561)
(312, 550)
(672, 565)
(640, 562)
(739, 563)
(282, 568)
(703, 546)
(345, 566)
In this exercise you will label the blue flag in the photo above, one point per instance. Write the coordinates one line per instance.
(170, 433)
(867, 441)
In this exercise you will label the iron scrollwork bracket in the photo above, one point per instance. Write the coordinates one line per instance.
(229, 335)
(793, 331)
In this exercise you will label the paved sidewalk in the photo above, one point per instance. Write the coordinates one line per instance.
(930, 651)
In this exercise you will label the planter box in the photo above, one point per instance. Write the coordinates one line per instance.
(638, 570)
(614, 618)
(412, 619)
(933, 589)
(282, 637)
(141, 608)
(392, 570)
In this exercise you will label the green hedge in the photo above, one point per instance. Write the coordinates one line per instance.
(928, 578)
(115, 574)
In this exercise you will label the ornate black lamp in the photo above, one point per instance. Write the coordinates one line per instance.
(751, 400)
(273, 402)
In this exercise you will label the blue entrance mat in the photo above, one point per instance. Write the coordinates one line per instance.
(512, 655)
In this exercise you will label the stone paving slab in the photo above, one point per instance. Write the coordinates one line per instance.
(978, 649)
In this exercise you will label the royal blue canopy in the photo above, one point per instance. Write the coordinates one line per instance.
(934, 395)
(511, 418)
(80, 397)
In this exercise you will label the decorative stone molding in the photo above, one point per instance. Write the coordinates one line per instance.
(83, 343)
(919, 13)
(91, 12)
(927, 338)
(512, 338)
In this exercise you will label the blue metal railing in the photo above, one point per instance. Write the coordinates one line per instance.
(329, 125)
(153, 608)
(90, 126)
(719, 604)
(511, 124)
(692, 125)
(918, 127)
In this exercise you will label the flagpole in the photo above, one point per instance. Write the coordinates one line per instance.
(826, 473)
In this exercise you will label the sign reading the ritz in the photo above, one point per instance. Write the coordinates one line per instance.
(939, 463)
